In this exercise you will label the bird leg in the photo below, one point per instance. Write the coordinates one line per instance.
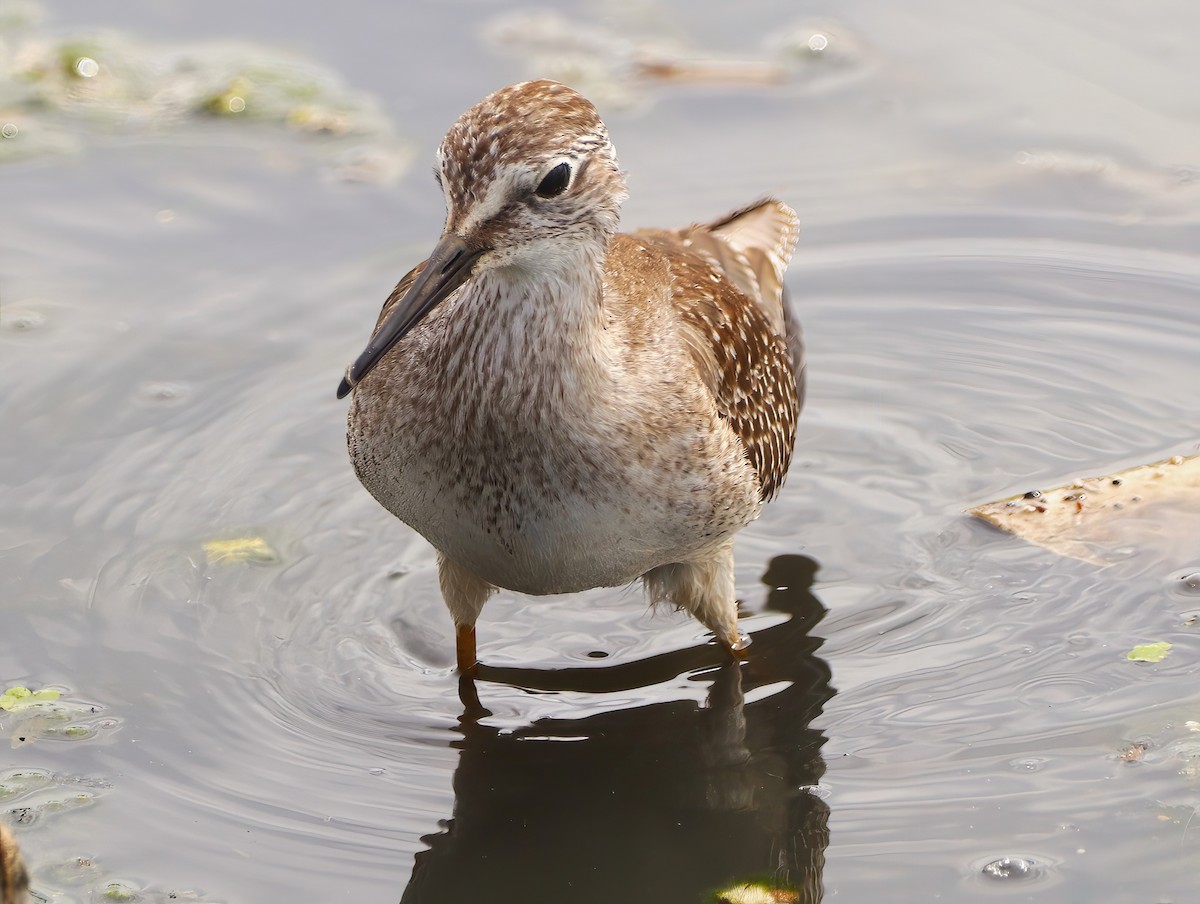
(464, 593)
(464, 649)
(706, 589)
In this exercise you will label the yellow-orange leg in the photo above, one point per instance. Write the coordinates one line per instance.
(465, 648)
(465, 593)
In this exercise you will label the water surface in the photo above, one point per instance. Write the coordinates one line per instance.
(998, 277)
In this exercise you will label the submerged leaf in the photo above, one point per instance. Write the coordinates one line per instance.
(1149, 652)
(242, 549)
(118, 891)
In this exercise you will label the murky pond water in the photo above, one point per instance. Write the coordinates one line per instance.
(999, 278)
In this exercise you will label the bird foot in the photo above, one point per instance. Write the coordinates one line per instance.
(739, 646)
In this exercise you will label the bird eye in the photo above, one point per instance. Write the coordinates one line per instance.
(555, 182)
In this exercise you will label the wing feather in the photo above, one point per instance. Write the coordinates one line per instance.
(727, 287)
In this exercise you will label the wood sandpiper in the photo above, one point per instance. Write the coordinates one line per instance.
(14, 880)
(558, 406)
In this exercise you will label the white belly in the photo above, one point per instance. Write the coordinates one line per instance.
(558, 515)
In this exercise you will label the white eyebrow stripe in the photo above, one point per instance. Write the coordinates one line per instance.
(499, 191)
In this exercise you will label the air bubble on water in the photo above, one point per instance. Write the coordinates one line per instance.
(162, 392)
(1010, 868)
(1029, 764)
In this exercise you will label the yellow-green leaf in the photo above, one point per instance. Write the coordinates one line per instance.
(1149, 652)
(241, 549)
(18, 697)
(756, 893)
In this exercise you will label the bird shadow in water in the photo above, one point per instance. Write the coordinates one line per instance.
(667, 802)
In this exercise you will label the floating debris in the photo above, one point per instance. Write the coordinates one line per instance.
(16, 784)
(241, 549)
(45, 714)
(1149, 652)
(54, 93)
(119, 891)
(18, 698)
(724, 72)
(1070, 519)
(756, 893)
(1134, 752)
(115, 79)
(31, 795)
(614, 67)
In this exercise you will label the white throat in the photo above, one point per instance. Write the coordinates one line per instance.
(546, 320)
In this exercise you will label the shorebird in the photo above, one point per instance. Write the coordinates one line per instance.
(14, 880)
(557, 406)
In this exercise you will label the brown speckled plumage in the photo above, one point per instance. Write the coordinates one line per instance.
(557, 406)
(14, 880)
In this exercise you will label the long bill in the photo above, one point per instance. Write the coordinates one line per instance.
(450, 265)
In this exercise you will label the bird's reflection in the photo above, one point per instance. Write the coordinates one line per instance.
(668, 802)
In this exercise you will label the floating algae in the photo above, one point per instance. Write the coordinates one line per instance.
(57, 94)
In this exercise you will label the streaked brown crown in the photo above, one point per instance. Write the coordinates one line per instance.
(507, 140)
